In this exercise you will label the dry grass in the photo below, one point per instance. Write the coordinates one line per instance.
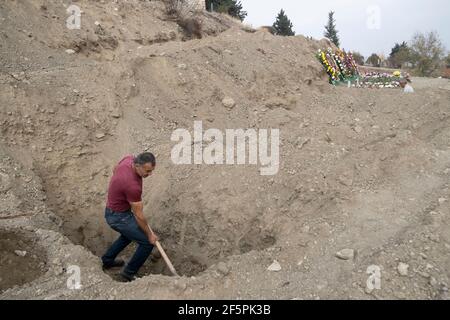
(192, 26)
(183, 12)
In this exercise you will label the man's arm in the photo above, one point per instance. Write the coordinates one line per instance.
(138, 211)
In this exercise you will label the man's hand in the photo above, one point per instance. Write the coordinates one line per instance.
(153, 238)
(137, 209)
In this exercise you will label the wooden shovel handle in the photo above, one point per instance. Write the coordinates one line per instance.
(165, 257)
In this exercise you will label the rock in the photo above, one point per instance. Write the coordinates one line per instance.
(358, 129)
(100, 135)
(402, 269)
(301, 142)
(227, 283)
(116, 114)
(442, 200)
(5, 182)
(275, 266)
(424, 274)
(276, 102)
(58, 271)
(368, 290)
(223, 268)
(70, 51)
(434, 238)
(228, 103)
(400, 295)
(181, 285)
(346, 254)
(28, 179)
(182, 66)
(20, 253)
(433, 282)
(345, 180)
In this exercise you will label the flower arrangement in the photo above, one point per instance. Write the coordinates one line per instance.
(350, 63)
(329, 65)
(339, 65)
(380, 80)
(337, 59)
(342, 69)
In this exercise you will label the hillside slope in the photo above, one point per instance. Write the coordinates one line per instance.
(359, 168)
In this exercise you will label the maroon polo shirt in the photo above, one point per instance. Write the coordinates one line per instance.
(125, 186)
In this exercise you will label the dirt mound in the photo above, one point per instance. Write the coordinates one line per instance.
(361, 169)
(21, 261)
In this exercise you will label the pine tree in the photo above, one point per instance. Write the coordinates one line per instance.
(330, 29)
(397, 48)
(232, 7)
(400, 54)
(283, 26)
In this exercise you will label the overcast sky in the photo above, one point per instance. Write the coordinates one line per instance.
(366, 26)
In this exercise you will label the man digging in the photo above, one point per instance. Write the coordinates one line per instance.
(124, 214)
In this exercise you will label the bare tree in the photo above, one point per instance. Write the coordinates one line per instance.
(427, 52)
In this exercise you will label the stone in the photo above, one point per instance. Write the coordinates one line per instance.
(402, 269)
(433, 282)
(358, 129)
(70, 51)
(345, 254)
(275, 266)
(5, 182)
(20, 253)
(368, 290)
(228, 103)
(345, 180)
(181, 285)
(434, 238)
(223, 268)
(100, 135)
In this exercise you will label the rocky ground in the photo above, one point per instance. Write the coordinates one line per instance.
(362, 191)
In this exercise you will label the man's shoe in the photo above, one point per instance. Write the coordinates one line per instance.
(115, 264)
(128, 277)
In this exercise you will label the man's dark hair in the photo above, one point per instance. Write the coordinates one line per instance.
(144, 158)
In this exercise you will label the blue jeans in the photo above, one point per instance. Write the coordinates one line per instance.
(126, 225)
